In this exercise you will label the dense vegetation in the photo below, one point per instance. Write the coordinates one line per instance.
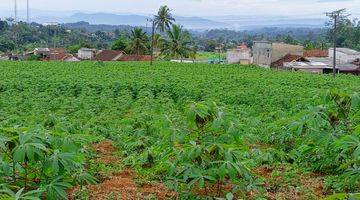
(203, 130)
(22, 37)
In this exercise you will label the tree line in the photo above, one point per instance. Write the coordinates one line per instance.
(170, 40)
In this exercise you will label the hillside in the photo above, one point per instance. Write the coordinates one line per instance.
(196, 129)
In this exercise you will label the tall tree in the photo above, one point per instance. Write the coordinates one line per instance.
(138, 41)
(177, 43)
(164, 19)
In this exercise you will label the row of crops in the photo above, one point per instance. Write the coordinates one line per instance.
(202, 130)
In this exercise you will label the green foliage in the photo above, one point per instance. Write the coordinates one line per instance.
(120, 44)
(177, 43)
(34, 57)
(6, 44)
(168, 128)
(139, 42)
(164, 19)
(37, 159)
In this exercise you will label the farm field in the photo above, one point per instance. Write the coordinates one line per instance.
(93, 130)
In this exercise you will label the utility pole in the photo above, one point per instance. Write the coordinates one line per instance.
(337, 16)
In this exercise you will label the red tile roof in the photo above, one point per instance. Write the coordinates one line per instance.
(316, 53)
(108, 55)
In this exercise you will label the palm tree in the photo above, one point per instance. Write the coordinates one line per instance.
(158, 42)
(193, 52)
(177, 43)
(138, 41)
(164, 19)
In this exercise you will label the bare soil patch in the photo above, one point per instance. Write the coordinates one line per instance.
(121, 185)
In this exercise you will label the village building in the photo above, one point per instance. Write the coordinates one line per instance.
(266, 53)
(322, 65)
(52, 54)
(240, 55)
(70, 58)
(86, 54)
(319, 53)
(344, 55)
(48, 53)
(108, 55)
(309, 65)
(111, 55)
(280, 64)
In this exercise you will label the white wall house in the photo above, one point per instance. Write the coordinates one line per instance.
(239, 56)
(266, 53)
(86, 54)
(344, 55)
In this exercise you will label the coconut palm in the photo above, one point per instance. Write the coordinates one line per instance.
(138, 41)
(177, 43)
(164, 19)
(158, 42)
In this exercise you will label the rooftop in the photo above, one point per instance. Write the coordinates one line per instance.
(316, 53)
(108, 55)
(86, 49)
(346, 51)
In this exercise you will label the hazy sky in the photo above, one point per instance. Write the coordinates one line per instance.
(195, 7)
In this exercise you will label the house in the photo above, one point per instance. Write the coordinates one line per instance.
(239, 55)
(109, 55)
(42, 52)
(265, 53)
(344, 55)
(86, 53)
(47, 54)
(57, 53)
(309, 66)
(53, 54)
(279, 64)
(319, 53)
(322, 65)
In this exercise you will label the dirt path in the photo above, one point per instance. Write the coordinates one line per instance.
(121, 185)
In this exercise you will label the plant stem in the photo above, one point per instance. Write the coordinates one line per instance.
(26, 172)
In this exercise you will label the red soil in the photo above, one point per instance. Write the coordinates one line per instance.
(121, 185)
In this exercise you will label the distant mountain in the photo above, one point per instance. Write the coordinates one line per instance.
(232, 22)
(255, 22)
(132, 20)
(101, 27)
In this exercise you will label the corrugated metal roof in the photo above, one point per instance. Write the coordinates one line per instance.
(346, 51)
